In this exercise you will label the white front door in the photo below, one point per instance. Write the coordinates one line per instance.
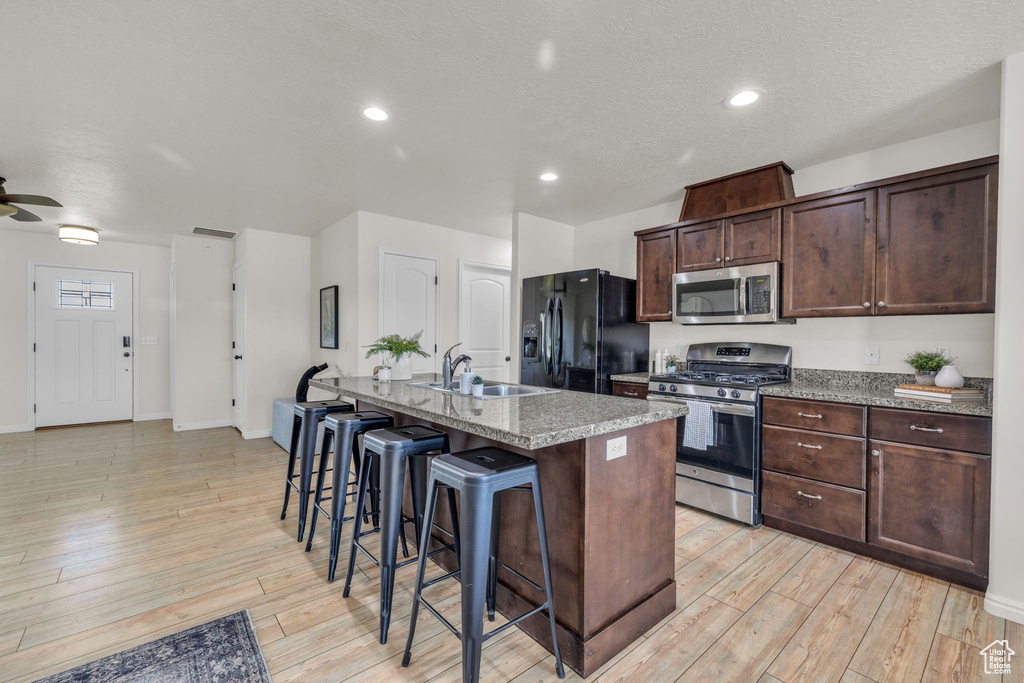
(83, 345)
(409, 302)
(485, 308)
(237, 337)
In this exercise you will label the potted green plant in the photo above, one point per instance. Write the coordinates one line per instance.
(399, 351)
(671, 363)
(478, 386)
(926, 365)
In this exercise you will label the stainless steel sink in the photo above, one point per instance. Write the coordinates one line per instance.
(492, 389)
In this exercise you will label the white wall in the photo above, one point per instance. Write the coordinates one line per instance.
(201, 319)
(835, 343)
(1005, 595)
(335, 262)
(153, 263)
(277, 321)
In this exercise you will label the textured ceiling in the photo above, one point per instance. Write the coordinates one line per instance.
(148, 118)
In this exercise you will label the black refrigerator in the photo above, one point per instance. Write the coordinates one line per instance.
(578, 329)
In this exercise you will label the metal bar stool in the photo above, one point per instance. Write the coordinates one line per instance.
(308, 416)
(481, 475)
(398, 449)
(344, 429)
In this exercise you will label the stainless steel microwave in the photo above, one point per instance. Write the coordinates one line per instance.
(742, 294)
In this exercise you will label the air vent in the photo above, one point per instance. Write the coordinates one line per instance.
(209, 232)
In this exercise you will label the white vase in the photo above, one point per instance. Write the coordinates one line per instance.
(949, 377)
(402, 368)
(478, 390)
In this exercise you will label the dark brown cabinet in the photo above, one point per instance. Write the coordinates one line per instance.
(699, 246)
(937, 244)
(655, 264)
(753, 238)
(629, 390)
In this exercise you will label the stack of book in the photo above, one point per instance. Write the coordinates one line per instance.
(921, 392)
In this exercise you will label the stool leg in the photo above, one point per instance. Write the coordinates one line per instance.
(492, 560)
(418, 468)
(375, 492)
(321, 474)
(421, 566)
(392, 486)
(454, 514)
(476, 531)
(307, 451)
(364, 481)
(292, 452)
(538, 508)
(343, 455)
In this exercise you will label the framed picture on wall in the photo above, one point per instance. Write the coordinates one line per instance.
(329, 317)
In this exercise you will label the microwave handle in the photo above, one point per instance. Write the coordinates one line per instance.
(744, 304)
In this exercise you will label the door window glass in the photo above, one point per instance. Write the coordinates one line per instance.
(85, 294)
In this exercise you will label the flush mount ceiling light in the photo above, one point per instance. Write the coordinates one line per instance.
(743, 98)
(76, 234)
(376, 114)
(548, 176)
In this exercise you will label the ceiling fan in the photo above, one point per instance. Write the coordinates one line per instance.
(18, 213)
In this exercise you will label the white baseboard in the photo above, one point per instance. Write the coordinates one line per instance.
(153, 416)
(11, 429)
(203, 425)
(257, 434)
(1005, 608)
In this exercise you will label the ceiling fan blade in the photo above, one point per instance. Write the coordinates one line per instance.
(25, 216)
(28, 199)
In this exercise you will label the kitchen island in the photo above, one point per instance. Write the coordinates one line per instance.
(610, 518)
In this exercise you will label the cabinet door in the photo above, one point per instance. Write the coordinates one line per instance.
(655, 263)
(629, 390)
(699, 246)
(930, 503)
(753, 237)
(828, 256)
(937, 244)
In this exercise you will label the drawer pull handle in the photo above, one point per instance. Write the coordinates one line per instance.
(926, 429)
(807, 445)
(807, 495)
(817, 417)
(630, 393)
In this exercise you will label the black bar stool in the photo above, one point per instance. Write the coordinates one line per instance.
(481, 475)
(308, 416)
(343, 429)
(393, 447)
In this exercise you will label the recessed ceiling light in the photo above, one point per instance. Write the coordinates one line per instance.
(743, 98)
(76, 234)
(549, 176)
(376, 114)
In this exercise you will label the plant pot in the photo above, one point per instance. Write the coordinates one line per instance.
(949, 377)
(402, 368)
(384, 374)
(926, 377)
(478, 390)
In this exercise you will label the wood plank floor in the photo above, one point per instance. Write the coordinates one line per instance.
(114, 535)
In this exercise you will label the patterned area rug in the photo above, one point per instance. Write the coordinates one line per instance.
(218, 651)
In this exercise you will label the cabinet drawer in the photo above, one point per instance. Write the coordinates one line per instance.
(825, 457)
(836, 418)
(826, 507)
(629, 390)
(938, 430)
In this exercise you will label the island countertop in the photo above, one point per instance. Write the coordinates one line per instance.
(528, 422)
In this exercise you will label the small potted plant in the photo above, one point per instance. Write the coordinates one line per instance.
(926, 365)
(478, 386)
(671, 363)
(399, 351)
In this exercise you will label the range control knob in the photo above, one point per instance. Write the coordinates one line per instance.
(721, 392)
(735, 393)
(672, 388)
(661, 387)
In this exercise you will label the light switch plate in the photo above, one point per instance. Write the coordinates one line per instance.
(871, 355)
(149, 341)
(616, 447)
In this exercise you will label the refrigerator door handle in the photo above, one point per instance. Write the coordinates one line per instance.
(557, 334)
(549, 334)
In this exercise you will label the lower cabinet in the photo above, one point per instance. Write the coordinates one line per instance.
(629, 390)
(907, 489)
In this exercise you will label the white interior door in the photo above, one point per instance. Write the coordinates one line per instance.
(84, 345)
(485, 309)
(409, 302)
(237, 337)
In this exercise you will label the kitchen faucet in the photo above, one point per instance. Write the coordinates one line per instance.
(448, 367)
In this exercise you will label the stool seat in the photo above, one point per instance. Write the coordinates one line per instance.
(487, 466)
(407, 438)
(321, 409)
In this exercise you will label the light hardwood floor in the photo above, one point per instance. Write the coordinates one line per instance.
(114, 535)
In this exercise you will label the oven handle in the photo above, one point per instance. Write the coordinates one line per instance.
(729, 408)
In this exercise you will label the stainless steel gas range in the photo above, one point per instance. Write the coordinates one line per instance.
(718, 459)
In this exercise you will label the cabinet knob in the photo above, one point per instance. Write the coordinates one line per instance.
(881, 304)
(867, 304)
(876, 452)
(728, 258)
(718, 259)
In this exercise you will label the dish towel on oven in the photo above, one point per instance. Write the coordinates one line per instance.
(700, 426)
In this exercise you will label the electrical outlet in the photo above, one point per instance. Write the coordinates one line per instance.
(616, 448)
(871, 355)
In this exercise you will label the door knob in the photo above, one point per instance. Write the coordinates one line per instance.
(126, 354)
(238, 358)
(508, 357)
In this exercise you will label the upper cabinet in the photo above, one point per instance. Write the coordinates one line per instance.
(655, 263)
(699, 246)
(753, 237)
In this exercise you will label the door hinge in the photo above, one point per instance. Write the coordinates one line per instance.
(232, 286)
(435, 348)
(33, 407)
(435, 279)
(232, 344)
(33, 347)
(33, 286)
(232, 403)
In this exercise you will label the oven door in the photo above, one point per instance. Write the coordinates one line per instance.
(731, 459)
(743, 294)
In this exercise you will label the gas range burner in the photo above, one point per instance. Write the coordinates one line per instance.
(713, 371)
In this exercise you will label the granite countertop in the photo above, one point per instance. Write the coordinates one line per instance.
(871, 389)
(634, 378)
(527, 422)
